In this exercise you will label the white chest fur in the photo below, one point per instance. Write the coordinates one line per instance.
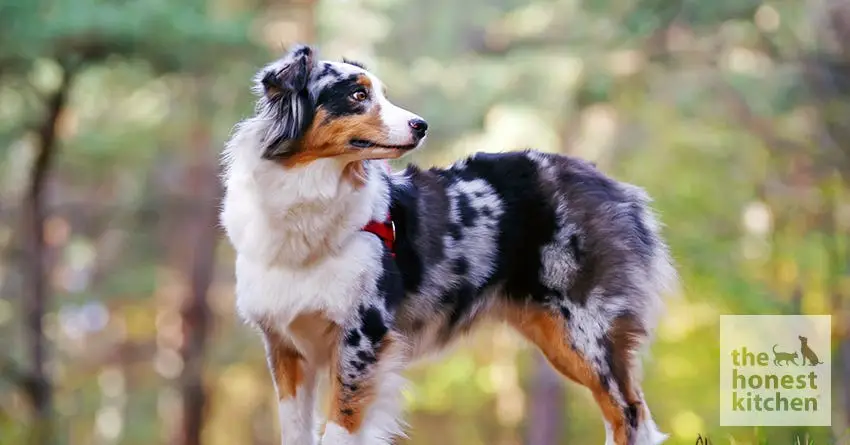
(333, 285)
(297, 234)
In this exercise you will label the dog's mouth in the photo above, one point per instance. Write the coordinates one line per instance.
(363, 143)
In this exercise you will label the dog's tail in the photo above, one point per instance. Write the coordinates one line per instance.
(663, 280)
(774, 348)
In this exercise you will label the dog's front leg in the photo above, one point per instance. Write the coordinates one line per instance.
(365, 384)
(294, 382)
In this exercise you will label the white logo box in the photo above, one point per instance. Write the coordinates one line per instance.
(763, 383)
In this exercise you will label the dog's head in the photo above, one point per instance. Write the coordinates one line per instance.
(802, 339)
(322, 109)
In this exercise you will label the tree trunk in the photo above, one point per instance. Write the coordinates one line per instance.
(547, 405)
(36, 284)
(201, 230)
(195, 316)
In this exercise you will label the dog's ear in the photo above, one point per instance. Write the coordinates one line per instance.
(289, 74)
(285, 87)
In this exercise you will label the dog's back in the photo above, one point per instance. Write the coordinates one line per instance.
(527, 227)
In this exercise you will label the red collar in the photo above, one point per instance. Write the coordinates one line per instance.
(385, 230)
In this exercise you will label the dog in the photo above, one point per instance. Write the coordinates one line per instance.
(807, 352)
(352, 273)
(783, 357)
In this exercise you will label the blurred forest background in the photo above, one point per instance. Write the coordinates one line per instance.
(117, 321)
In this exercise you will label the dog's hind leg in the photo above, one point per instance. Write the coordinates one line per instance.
(608, 371)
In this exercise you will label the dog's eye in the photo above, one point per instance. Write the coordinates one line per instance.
(359, 95)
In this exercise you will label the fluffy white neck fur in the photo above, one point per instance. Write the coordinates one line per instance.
(293, 216)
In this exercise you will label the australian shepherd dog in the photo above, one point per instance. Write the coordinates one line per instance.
(351, 272)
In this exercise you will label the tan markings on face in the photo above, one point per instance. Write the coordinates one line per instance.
(285, 364)
(348, 408)
(364, 80)
(549, 334)
(330, 137)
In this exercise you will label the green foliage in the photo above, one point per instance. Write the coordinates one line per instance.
(168, 35)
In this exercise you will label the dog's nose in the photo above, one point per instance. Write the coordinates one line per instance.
(419, 127)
